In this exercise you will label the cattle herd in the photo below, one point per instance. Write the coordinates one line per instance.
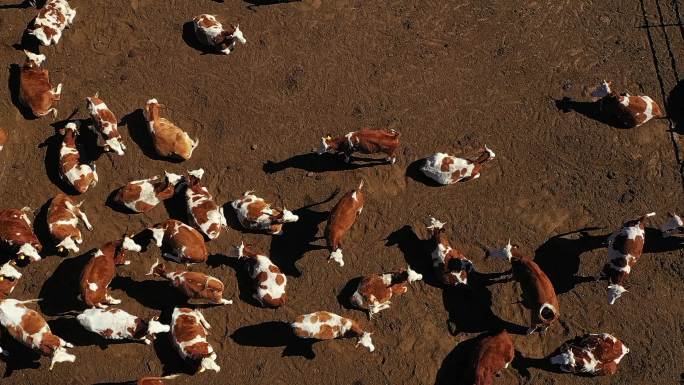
(592, 354)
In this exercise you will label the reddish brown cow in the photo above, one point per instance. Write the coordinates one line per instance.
(189, 333)
(35, 90)
(9, 278)
(101, 269)
(450, 265)
(537, 291)
(198, 287)
(593, 354)
(155, 380)
(186, 245)
(365, 141)
(16, 234)
(342, 217)
(3, 138)
(492, 354)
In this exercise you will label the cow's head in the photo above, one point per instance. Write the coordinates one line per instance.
(674, 222)
(505, 253)
(614, 292)
(325, 146)
(114, 144)
(172, 179)
(155, 327)
(91, 101)
(237, 34)
(602, 90)
(27, 250)
(33, 59)
(70, 128)
(9, 271)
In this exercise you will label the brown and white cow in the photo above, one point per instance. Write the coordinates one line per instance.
(35, 90)
(450, 265)
(52, 20)
(632, 111)
(211, 33)
(117, 324)
(269, 282)
(106, 124)
(593, 354)
(537, 291)
(3, 138)
(255, 213)
(30, 328)
(447, 169)
(625, 246)
(205, 214)
(375, 291)
(9, 278)
(101, 269)
(143, 195)
(80, 176)
(62, 219)
(169, 140)
(323, 325)
(491, 355)
(16, 234)
(342, 217)
(185, 243)
(673, 226)
(365, 141)
(198, 287)
(189, 333)
(155, 380)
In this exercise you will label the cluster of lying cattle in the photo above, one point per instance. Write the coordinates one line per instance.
(594, 354)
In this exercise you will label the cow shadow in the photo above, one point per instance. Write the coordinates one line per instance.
(456, 368)
(296, 240)
(177, 207)
(559, 258)
(42, 231)
(417, 252)
(253, 4)
(60, 291)
(523, 364)
(70, 330)
(20, 5)
(244, 281)
(19, 356)
(274, 334)
(674, 111)
(344, 297)
(166, 351)
(158, 295)
(190, 39)
(592, 110)
(116, 206)
(313, 162)
(13, 83)
(52, 146)
(656, 243)
(413, 171)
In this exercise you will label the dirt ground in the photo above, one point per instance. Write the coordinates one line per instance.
(450, 76)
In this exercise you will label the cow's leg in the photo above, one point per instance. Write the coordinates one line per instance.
(83, 217)
(56, 92)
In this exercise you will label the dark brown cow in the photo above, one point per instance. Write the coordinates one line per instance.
(450, 265)
(35, 90)
(365, 141)
(16, 234)
(593, 354)
(198, 287)
(492, 354)
(342, 217)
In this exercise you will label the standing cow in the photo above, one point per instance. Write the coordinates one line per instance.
(9, 278)
(323, 325)
(198, 287)
(51, 21)
(169, 140)
(492, 354)
(450, 265)
(342, 217)
(117, 324)
(365, 141)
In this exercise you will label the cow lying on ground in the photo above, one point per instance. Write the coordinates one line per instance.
(450, 265)
(198, 287)
(492, 354)
(205, 214)
(447, 169)
(342, 217)
(16, 234)
(593, 354)
(3, 138)
(169, 140)
(105, 124)
(254, 213)
(141, 196)
(52, 20)
(189, 334)
(269, 283)
(673, 226)
(375, 290)
(116, 324)
(186, 245)
(323, 325)
(80, 176)
(211, 33)
(62, 218)
(9, 278)
(365, 141)
(631, 111)
(35, 90)
(155, 380)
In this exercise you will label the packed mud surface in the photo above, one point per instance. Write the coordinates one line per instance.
(451, 76)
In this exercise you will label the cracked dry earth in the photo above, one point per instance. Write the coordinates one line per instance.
(450, 76)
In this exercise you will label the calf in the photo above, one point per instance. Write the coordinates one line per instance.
(365, 141)
(105, 124)
(342, 217)
(101, 269)
(631, 111)
(143, 195)
(211, 33)
(450, 265)
(196, 286)
(269, 283)
(537, 291)
(185, 243)
(492, 354)
(9, 278)
(323, 325)
(206, 215)
(674, 225)
(447, 169)
(80, 176)
(155, 380)
(16, 234)
(189, 333)
(169, 140)
(255, 214)
(51, 21)
(375, 291)
(35, 90)
(116, 324)
(625, 246)
(3, 138)
(30, 328)
(62, 219)
(593, 354)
